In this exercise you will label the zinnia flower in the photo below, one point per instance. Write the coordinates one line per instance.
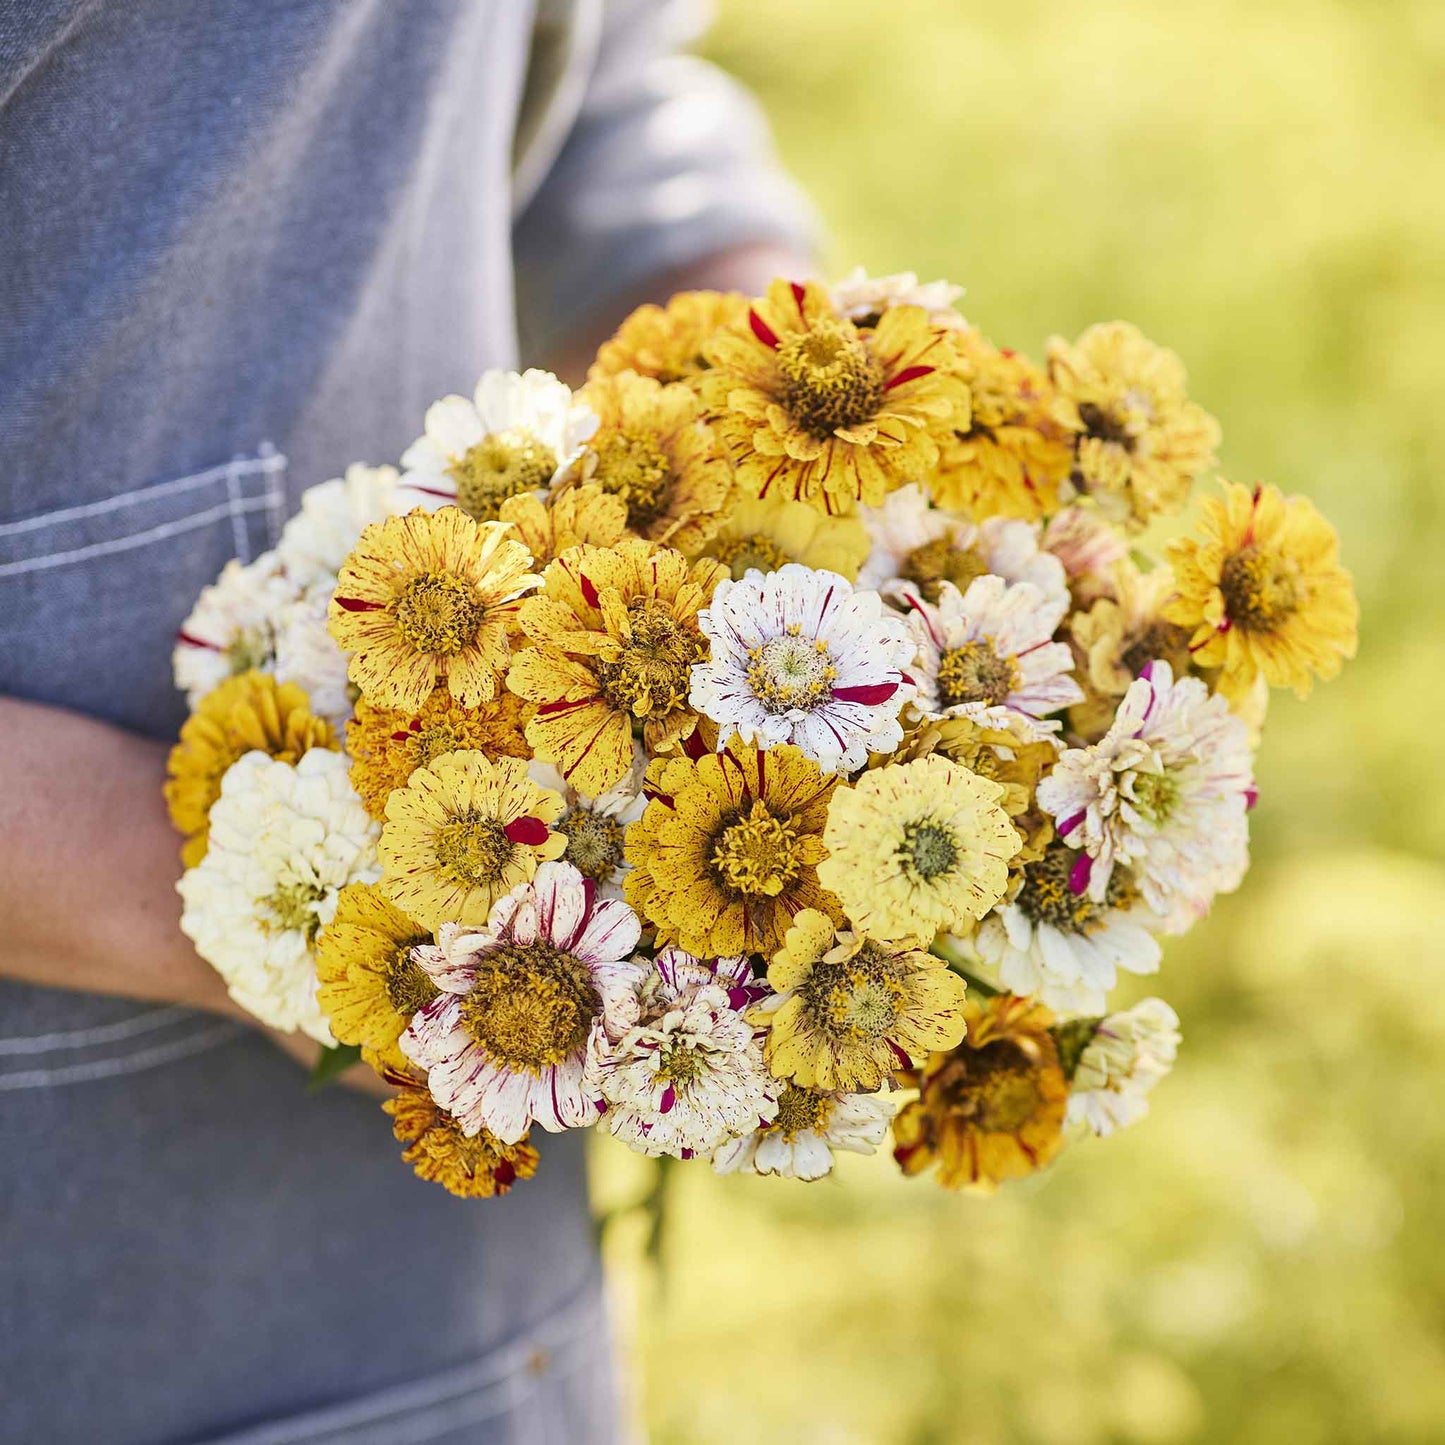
(479, 1166)
(596, 828)
(1126, 1055)
(505, 1044)
(810, 1126)
(863, 298)
(1263, 592)
(799, 657)
(232, 627)
(667, 342)
(463, 832)
(565, 519)
(765, 535)
(315, 542)
(307, 654)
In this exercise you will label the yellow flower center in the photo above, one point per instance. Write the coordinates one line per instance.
(758, 854)
(680, 1063)
(632, 465)
(829, 379)
(928, 849)
(431, 742)
(800, 1110)
(1260, 589)
(791, 672)
(248, 649)
(439, 613)
(1047, 898)
(501, 465)
(859, 999)
(996, 1087)
(291, 908)
(650, 674)
(975, 673)
(940, 561)
(472, 850)
(594, 843)
(741, 554)
(408, 987)
(530, 1007)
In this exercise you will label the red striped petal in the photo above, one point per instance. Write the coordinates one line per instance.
(588, 590)
(529, 832)
(910, 373)
(761, 330)
(357, 604)
(869, 695)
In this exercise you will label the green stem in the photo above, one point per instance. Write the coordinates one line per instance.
(959, 962)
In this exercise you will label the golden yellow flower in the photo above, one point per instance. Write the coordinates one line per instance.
(475, 1167)
(666, 342)
(918, 847)
(769, 534)
(849, 1010)
(387, 745)
(367, 984)
(429, 598)
(654, 451)
(1262, 591)
(463, 832)
(727, 853)
(991, 1109)
(809, 405)
(615, 633)
(1013, 456)
(1139, 442)
(566, 519)
(250, 712)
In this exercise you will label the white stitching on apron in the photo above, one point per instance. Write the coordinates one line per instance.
(141, 1023)
(196, 1043)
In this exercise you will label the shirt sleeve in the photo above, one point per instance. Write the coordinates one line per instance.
(668, 160)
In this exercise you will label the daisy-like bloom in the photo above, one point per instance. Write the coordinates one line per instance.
(464, 831)
(615, 634)
(596, 828)
(667, 342)
(992, 1109)
(810, 1127)
(1051, 939)
(333, 514)
(505, 1044)
(565, 519)
(765, 535)
(387, 745)
(232, 627)
(1139, 442)
(429, 598)
(917, 847)
(917, 546)
(243, 714)
(863, 298)
(1164, 793)
(653, 451)
(368, 985)
(813, 407)
(519, 433)
(1263, 592)
(689, 1073)
(988, 653)
(799, 657)
(727, 853)
(307, 654)
(1127, 1054)
(1010, 458)
(284, 842)
(1089, 548)
(849, 1010)
(478, 1166)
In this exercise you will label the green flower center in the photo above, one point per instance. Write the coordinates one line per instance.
(632, 465)
(858, 1000)
(975, 673)
(249, 648)
(594, 843)
(439, 613)
(291, 908)
(801, 1110)
(472, 850)
(680, 1063)
(791, 672)
(829, 379)
(1155, 795)
(530, 1007)
(758, 854)
(503, 464)
(1260, 590)
(408, 986)
(928, 849)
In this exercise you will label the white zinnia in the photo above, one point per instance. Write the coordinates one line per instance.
(859, 296)
(690, 1072)
(307, 654)
(1165, 792)
(854, 1122)
(596, 827)
(284, 841)
(233, 626)
(799, 657)
(1128, 1055)
(316, 541)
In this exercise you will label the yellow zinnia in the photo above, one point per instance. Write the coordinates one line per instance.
(849, 1010)
(565, 519)
(1262, 591)
(991, 1109)
(463, 832)
(477, 1166)
(769, 534)
(666, 342)
(367, 983)
(614, 635)
(429, 598)
(811, 406)
(727, 853)
(250, 712)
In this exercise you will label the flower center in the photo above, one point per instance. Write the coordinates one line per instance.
(859, 999)
(680, 1063)
(758, 854)
(1156, 639)
(247, 649)
(829, 379)
(1107, 426)
(801, 1110)
(292, 908)
(791, 672)
(594, 843)
(438, 613)
(996, 1087)
(632, 465)
(471, 849)
(531, 1006)
(928, 849)
(1259, 590)
(740, 554)
(1047, 898)
(501, 465)
(975, 673)
(426, 746)
(650, 674)
(1155, 794)
(940, 561)
(408, 987)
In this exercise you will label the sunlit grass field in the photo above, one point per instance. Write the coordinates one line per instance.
(1260, 184)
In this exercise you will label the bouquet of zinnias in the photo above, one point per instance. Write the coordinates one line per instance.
(785, 725)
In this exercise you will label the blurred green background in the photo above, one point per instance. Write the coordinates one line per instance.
(1259, 184)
